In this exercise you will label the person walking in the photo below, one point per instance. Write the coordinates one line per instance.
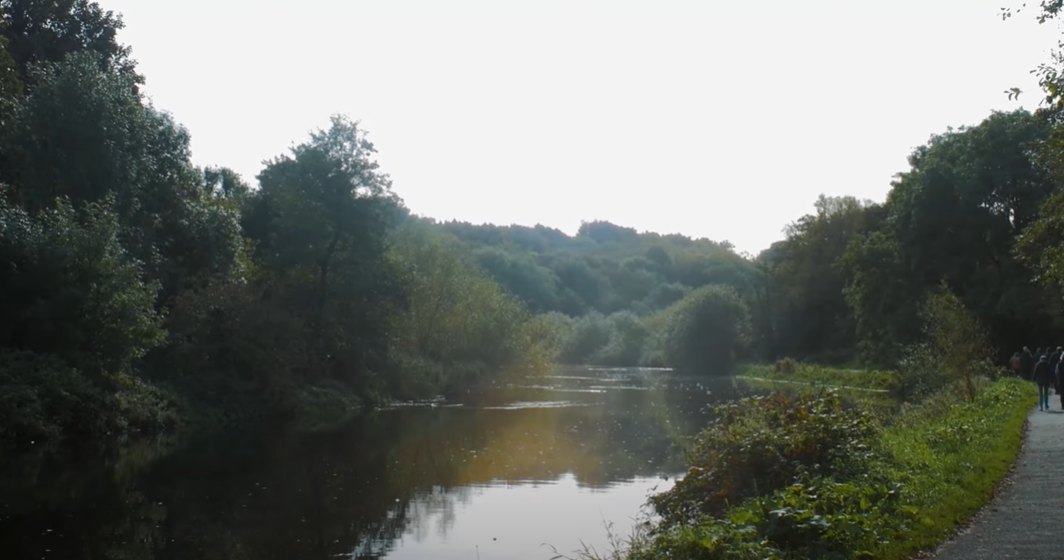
(1015, 364)
(1027, 361)
(1043, 376)
(1060, 382)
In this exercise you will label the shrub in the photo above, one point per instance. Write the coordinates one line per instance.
(811, 518)
(705, 330)
(957, 338)
(785, 366)
(759, 445)
(42, 400)
(588, 335)
(627, 340)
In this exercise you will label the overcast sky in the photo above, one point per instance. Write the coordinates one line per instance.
(719, 119)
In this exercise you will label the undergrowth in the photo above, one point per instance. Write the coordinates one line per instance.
(865, 486)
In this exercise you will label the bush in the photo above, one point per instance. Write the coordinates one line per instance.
(935, 466)
(586, 336)
(42, 400)
(957, 338)
(706, 330)
(627, 341)
(811, 518)
(785, 366)
(759, 445)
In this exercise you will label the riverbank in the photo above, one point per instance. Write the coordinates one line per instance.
(842, 378)
(862, 485)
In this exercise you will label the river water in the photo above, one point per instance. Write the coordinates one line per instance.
(535, 465)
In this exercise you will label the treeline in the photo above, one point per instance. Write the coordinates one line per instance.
(979, 209)
(139, 292)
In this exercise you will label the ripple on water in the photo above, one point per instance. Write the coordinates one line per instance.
(538, 404)
(558, 389)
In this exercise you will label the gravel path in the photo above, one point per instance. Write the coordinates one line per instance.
(1026, 519)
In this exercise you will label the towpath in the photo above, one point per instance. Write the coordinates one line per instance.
(1026, 519)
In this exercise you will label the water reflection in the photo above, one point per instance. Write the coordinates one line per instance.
(535, 462)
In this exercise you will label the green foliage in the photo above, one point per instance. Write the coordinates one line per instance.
(805, 308)
(320, 222)
(44, 401)
(950, 458)
(1041, 247)
(758, 445)
(812, 518)
(50, 30)
(911, 484)
(70, 289)
(455, 317)
(272, 300)
(627, 343)
(584, 337)
(955, 216)
(85, 134)
(786, 366)
(957, 339)
(605, 268)
(706, 330)
(838, 378)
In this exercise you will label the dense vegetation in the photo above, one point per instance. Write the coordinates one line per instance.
(976, 211)
(888, 470)
(140, 292)
(143, 292)
(809, 477)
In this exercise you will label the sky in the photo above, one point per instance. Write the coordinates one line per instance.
(718, 119)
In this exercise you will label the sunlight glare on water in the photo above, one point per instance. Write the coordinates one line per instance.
(502, 473)
(519, 521)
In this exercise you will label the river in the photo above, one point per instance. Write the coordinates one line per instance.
(537, 464)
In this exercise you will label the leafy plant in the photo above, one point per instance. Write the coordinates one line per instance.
(758, 445)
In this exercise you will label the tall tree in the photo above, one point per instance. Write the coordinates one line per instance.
(83, 133)
(42, 31)
(320, 221)
(814, 318)
(955, 217)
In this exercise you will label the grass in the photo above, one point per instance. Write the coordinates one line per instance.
(950, 457)
(874, 388)
(930, 468)
(786, 370)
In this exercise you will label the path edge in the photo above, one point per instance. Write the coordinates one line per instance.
(996, 495)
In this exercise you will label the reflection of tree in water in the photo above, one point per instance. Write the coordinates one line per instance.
(436, 509)
(359, 489)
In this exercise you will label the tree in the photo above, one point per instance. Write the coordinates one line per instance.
(955, 216)
(956, 338)
(222, 182)
(44, 31)
(83, 134)
(69, 289)
(814, 320)
(706, 330)
(320, 223)
(455, 316)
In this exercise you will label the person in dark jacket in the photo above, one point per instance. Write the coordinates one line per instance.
(1043, 376)
(1028, 363)
(1054, 359)
(1060, 382)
